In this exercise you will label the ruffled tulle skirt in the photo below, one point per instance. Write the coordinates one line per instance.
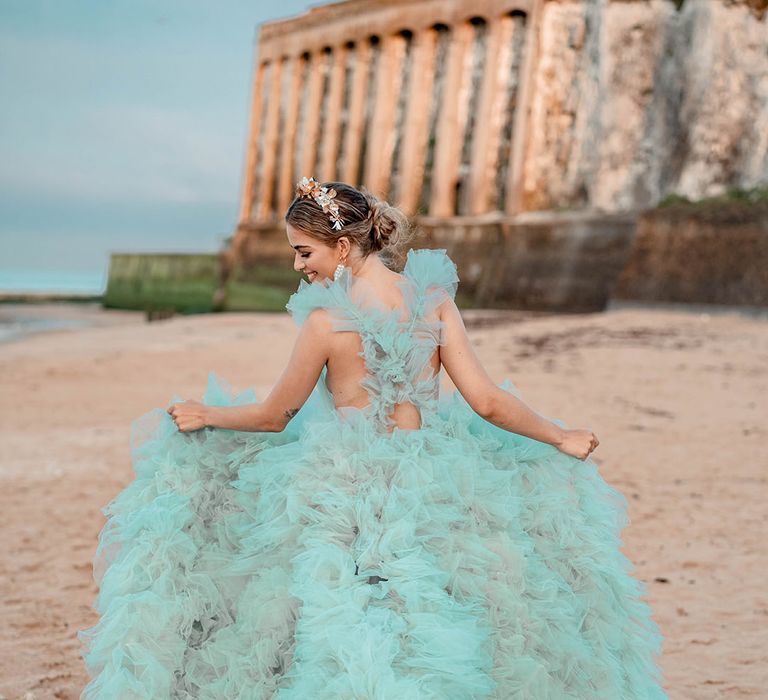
(454, 562)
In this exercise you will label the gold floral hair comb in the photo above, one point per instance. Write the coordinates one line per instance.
(309, 187)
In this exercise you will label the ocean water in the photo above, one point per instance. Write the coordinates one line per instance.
(19, 320)
(52, 281)
(17, 325)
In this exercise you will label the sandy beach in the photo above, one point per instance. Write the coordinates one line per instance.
(678, 400)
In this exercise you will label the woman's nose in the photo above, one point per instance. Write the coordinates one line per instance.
(297, 264)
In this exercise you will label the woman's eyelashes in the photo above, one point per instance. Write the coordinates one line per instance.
(305, 255)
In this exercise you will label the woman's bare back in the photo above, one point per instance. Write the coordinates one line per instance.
(346, 367)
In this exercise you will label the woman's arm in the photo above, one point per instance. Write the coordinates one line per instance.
(493, 403)
(299, 377)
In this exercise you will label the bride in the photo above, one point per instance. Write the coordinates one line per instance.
(356, 534)
(318, 256)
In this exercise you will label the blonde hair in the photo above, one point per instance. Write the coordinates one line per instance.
(372, 223)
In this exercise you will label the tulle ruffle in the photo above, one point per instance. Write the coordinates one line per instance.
(458, 561)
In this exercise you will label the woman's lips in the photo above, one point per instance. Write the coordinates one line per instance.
(311, 276)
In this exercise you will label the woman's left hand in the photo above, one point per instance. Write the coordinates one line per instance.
(189, 415)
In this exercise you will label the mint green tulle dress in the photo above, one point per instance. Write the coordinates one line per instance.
(347, 559)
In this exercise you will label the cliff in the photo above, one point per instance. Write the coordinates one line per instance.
(635, 100)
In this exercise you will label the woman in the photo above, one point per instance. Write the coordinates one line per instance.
(354, 535)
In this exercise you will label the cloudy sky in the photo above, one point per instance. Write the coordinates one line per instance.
(123, 126)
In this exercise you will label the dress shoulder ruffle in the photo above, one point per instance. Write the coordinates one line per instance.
(330, 294)
(431, 267)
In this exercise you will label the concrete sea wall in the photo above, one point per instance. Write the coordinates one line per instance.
(181, 282)
(710, 253)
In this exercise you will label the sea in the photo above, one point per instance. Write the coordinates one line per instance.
(17, 281)
(21, 319)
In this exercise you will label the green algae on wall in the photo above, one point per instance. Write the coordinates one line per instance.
(182, 282)
(194, 283)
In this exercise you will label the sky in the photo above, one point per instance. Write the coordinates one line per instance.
(123, 126)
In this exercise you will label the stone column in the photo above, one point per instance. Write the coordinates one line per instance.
(286, 182)
(327, 169)
(257, 100)
(452, 118)
(514, 185)
(381, 135)
(490, 116)
(354, 135)
(311, 120)
(414, 146)
(269, 153)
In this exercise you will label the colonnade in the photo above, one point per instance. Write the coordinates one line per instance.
(430, 115)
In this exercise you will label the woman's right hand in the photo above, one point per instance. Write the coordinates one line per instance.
(578, 443)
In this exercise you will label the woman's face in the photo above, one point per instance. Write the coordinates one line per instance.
(311, 256)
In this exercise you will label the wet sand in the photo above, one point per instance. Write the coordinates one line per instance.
(679, 402)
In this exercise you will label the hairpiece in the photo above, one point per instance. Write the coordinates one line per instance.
(309, 187)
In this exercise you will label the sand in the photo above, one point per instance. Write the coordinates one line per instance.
(679, 402)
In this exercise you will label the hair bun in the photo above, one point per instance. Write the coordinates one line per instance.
(388, 224)
(376, 216)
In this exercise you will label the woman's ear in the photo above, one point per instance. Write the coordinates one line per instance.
(343, 245)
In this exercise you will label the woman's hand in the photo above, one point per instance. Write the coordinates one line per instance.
(189, 415)
(578, 443)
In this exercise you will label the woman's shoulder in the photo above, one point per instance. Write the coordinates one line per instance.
(432, 267)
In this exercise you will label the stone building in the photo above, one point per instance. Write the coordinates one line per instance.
(542, 124)
(416, 100)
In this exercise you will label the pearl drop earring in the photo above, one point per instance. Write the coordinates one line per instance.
(339, 270)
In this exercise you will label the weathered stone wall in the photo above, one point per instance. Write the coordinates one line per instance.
(546, 261)
(634, 100)
(710, 254)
